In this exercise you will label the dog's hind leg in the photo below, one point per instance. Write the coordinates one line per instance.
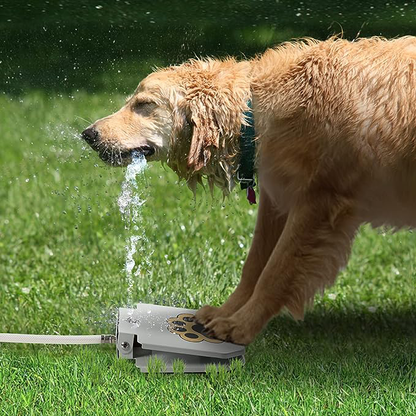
(315, 243)
(269, 227)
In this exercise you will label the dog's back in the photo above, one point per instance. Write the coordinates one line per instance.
(340, 115)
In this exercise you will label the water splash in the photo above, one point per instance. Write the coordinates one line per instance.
(130, 203)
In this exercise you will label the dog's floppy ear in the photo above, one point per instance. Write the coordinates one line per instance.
(215, 98)
(205, 128)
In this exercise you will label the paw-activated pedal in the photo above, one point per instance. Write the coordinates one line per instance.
(170, 333)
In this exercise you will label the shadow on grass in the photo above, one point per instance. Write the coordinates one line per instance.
(339, 344)
(349, 324)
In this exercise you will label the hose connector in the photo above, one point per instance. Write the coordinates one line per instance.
(108, 339)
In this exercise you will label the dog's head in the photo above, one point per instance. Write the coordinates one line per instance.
(188, 116)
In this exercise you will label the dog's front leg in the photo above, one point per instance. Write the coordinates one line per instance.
(315, 243)
(269, 227)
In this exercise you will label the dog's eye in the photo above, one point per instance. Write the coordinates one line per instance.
(144, 108)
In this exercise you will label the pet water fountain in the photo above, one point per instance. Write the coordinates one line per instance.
(170, 333)
(150, 331)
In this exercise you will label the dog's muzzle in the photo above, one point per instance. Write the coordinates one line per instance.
(112, 156)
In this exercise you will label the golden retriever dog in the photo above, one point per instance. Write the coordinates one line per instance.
(335, 125)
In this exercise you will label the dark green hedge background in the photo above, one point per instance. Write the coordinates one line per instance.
(65, 46)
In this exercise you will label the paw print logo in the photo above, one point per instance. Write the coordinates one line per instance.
(185, 326)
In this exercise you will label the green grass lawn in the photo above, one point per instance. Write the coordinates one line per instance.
(61, 271)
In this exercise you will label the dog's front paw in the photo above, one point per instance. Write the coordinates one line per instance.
(231, 330)
(206, 314)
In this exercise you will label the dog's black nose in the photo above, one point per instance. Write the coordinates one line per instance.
(91, 136)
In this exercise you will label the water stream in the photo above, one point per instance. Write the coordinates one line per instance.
(130, 203)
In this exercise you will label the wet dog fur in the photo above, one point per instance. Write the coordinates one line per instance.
(336, 148)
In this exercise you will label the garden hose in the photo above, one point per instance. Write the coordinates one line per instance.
(57, 339)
